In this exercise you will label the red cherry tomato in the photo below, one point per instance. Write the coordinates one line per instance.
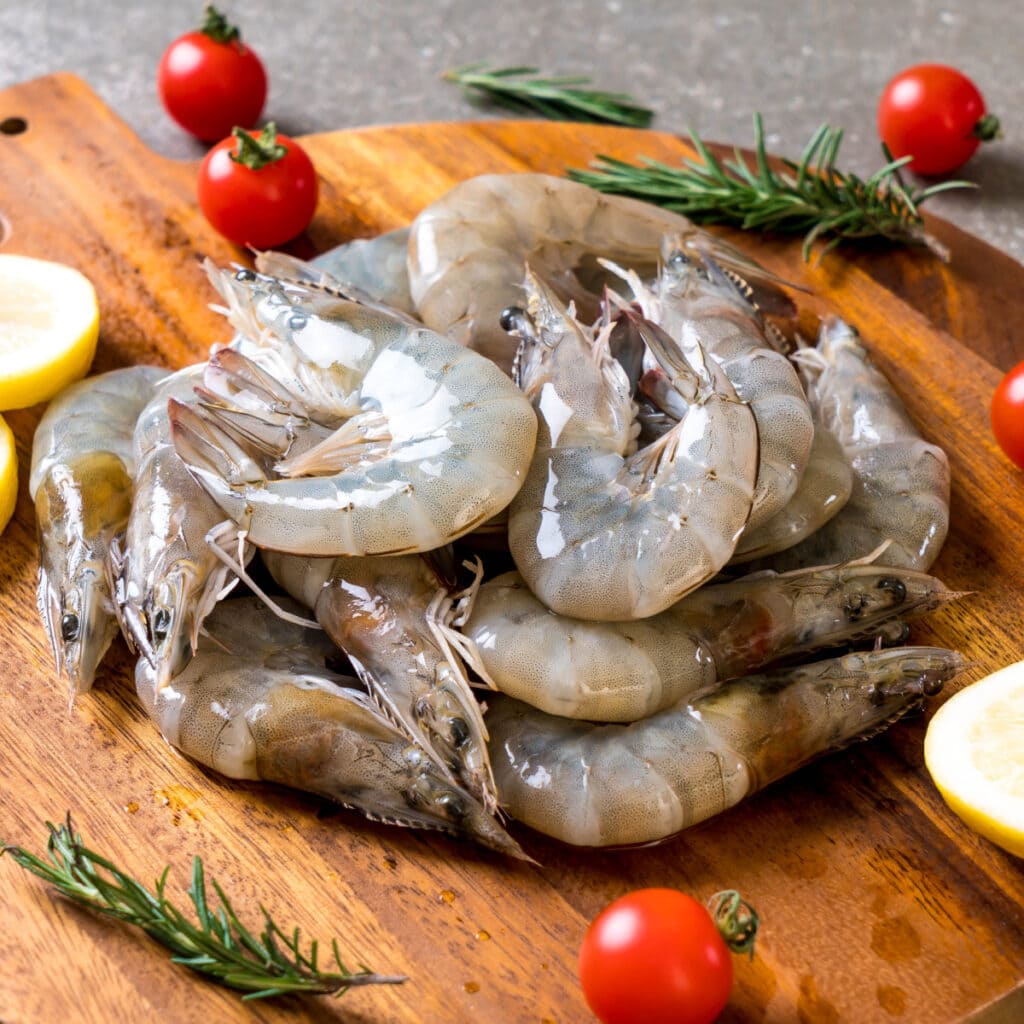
(209, 81)
(258, 190)
(936, 115)
(655, 956)
(1008, 414)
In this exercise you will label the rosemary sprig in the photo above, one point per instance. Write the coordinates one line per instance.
(526, 90)
(812, 196)
(219, 945)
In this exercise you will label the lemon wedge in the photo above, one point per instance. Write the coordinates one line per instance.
(974, 750)
(49, 323)
(8, 474)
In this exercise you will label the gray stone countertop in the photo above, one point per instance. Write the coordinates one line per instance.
(701, 64)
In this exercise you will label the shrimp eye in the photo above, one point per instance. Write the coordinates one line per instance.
(453, 804)
(510, 317)
(161, 623)
(460, 731)
(69, 627)
(678, 259)
(244, 274)
(896, 586)
(297, 321)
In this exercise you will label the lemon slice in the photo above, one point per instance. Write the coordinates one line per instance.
(8, 474)
(974, 750)
(49, 323)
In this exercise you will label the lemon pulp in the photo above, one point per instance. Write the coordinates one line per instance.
(974, 751)
(49, 325)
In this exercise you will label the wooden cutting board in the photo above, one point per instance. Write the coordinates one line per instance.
(877, 904)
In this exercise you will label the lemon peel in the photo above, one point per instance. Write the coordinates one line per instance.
(974, 752)
(49, 326)
(8, 474)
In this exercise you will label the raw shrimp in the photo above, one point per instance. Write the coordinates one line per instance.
(81, 482)
(429, 439)
(696, 302)
(601, 535)
(615, 785)
(393, 618)
(168, 576)
(624, 671)
(467, 251)
(257, 702)
(900, 481)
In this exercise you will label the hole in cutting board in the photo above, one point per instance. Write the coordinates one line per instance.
(13, 125)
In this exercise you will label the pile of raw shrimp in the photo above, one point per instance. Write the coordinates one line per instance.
(531, 503)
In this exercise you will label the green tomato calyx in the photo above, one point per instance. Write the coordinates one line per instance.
(257, 151)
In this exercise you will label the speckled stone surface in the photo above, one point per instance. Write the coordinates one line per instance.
(700, 64)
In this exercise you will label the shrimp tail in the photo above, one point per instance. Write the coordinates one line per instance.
(208, 447)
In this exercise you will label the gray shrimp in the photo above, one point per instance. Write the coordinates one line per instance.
(599, 533)
(625, 671)
(393, 617)
(169, 577)
(417, 440)
(258, 702)
(696, 302)
(81, 483)
(900, 491)
(467, 251)
(620, 785)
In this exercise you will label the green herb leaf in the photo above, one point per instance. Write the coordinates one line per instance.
(219, 946)
(526, 90)
(811, 197)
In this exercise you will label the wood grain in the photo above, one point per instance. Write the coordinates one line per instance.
(877, 904)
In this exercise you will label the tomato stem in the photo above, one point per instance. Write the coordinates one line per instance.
(735, 919)
(987, 128)
(217, 27)
(256, 151)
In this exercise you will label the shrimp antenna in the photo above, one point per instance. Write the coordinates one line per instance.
(215, 540)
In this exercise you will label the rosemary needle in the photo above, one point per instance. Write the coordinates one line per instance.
(218, 945)
(810, 197)
(562, 98)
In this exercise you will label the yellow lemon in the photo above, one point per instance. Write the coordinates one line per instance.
(8, 474)
(974, 750)
(49, 323)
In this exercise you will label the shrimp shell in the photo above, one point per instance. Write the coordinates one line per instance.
(597, 533)
(467, 251)
(900, 487)
(696, 302)
(625, 671)
(616, 785)
(257, 702)
(168, 575)
(433, 439)
(81, 483)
